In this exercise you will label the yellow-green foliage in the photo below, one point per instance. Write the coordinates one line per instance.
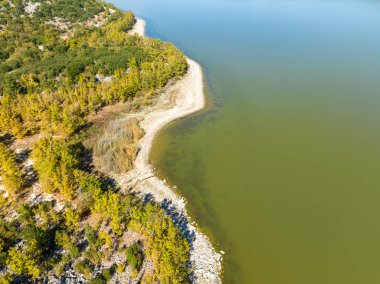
(55, 162)
(107, 239)
(83, 268)
(167, 248)
(5, 279)
(10, 173)
(46, 216)
(63, 239)
(24, 262)
(117, 30)
(72, 219)
(111, 208)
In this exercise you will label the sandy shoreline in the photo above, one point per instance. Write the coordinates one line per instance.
(189, 98)
(138, 28)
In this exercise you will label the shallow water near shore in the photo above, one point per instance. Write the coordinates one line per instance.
(283, 171)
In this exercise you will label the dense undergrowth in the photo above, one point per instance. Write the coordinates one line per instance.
(61, 61)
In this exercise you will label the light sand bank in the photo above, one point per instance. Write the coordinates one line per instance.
(138, 28)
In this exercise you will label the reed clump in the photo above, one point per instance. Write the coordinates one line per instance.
(116, 150)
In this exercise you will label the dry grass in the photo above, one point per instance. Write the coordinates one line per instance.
(116, 149)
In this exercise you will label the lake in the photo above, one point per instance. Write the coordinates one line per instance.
(282, 171)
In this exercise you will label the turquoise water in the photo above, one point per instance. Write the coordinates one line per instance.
(283, 170)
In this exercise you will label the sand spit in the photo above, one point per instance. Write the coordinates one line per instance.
(138, 28)
(183, 98)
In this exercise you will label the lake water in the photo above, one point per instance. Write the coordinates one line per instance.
(283, 170)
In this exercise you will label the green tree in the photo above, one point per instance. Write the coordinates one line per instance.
(24, 262)
(75, 69)
(135, 255)
(55, 163)
(10, 172)
(72, 219)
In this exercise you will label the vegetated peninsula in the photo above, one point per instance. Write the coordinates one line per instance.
(82, 94)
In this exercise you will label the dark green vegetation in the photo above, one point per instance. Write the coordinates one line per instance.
(59, 63)
(135, 256)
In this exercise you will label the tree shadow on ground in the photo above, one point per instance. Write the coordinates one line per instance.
(180, 220)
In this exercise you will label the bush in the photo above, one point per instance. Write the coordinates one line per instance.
(91, 235)
(108, 273)
(4, 54)
(98, 280)
(9, 170)
(75, 69)
(55, 163)
(83, 268)
(135, 255)
(93, 256)
(73, 251)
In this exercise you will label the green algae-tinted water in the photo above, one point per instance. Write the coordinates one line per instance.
(283, 171)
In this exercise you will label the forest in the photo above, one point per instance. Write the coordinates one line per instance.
(61, 61)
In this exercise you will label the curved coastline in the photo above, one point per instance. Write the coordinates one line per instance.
(188, 98)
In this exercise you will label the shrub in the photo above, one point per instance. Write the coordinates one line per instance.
(135, 255)
(83, 268)
(108, 273)
(24, 262)
(9, 170)
(93, 256)
(91, 235)
(75, 69)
